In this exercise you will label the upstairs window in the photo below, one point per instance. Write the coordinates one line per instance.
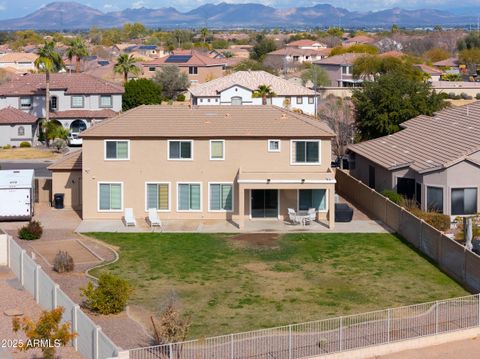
(217, 150)
(25, 103)
(180, 150)
(78, 102)
(306, 152)
(54, 103)
(273, 145)
(106, 101)
(193, 70)
(117, 150)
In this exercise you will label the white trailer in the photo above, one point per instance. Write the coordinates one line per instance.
(17, 189)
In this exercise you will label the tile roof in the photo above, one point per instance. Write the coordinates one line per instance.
(428, 143)
(10, 115)
(194, 59)
(360, 39)
(250, 80)
(33, 84)
(18, 57)
(71, 161)
(304, 42)
(208, 121)
(450, 62)
(429, 70)
(344, 59)
(104, 113)
(291, 51)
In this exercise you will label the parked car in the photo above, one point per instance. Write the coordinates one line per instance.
(74, 140)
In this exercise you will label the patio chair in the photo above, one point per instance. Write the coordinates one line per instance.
(129, 217)
(292, 216)
(311, 216)
(153, 218)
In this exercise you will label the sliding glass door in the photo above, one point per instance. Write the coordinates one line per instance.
(264, 203)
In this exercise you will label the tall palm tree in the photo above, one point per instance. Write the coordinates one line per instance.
(126, 65)
(78, 49)
(204, 33)
(48, 61)
(264, 91)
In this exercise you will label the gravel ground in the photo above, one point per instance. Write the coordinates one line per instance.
(14, 297)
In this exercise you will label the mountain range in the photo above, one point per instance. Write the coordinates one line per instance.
(73, 15)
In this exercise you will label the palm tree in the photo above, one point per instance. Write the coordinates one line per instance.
(126, 65)
(264, 91)
(48, 61)
(77, 49)
(204, 33)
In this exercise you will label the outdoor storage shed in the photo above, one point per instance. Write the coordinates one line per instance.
(16, 194)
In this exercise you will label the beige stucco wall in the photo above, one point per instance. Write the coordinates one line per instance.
(69, 183)
(43, 189)
(148, 163)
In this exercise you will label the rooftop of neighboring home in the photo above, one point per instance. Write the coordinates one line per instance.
(295, 51)
(10, 115)
(450, 62)
(18, 57)
(208, 122)
(392, 53)
(250, 80)
(186, 58)
(344, 59)
(426, 143)
(305, 43)
(72, 83)
(432, 71)
(71, 161)
(360, 39)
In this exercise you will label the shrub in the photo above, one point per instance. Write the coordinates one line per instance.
(63, 262)
(109, 297)
(59, 144)
(181, 97)
(25, 144)
(7, 147)
(438, 220)
(478, 96)
(393, 196)
(465, 96)
(33, 230)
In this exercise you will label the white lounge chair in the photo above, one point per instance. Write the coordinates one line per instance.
(292, 216)
(310, 217)
(129, 217)
(153, 218)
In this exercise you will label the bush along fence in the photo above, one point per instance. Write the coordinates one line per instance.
(451, 257)
(91, 342)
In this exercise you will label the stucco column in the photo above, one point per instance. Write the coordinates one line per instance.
(241, 206)
(331, 207)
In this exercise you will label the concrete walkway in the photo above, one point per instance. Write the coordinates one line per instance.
(463, 349)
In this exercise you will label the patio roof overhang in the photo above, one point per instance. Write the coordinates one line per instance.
(285, 179)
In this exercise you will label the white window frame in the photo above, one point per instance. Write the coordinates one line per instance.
(100, 101)
(311, 100)
(233, 198)
(169, 195)
(210, 146)
(24, 107)
(293, 163)
(115, 140)
(178, 198)
(279, 145)
(316, 210)
(121, 199)
(180, 159)
(299, 100)
(83, 101)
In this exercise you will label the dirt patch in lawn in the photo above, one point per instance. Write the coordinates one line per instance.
(266, 240)
(80, 253)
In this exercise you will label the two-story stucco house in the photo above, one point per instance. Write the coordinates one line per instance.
(340, 69)
(433, 160)
(238, 89)
(76, 100)
(207, 162)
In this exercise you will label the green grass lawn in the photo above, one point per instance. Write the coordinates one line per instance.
(228, 286)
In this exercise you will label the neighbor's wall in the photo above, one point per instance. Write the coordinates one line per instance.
(148, 163)
(3, 248)
(43, 189)
(70, 184)
(383, 178)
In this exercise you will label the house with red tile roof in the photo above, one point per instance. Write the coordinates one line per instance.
(76, 100)
(199, 67)
(307, 44)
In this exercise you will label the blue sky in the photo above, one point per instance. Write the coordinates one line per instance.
(18, 8)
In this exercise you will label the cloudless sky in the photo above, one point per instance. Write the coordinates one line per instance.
(19, 8)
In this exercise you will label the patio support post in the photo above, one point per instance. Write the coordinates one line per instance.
(241, 206)
(331, 207)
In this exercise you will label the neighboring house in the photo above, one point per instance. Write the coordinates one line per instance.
(433, 160)
(359, 40)
(432, 73)
(292, 58)
(450, 65)
(199, 67)
(16, 127)
(340, 69)
(20, 62)
(307, 45)
(76, 100)
(238, 88)
(223, 163)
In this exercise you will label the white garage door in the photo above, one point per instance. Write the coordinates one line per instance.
(15, 202)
